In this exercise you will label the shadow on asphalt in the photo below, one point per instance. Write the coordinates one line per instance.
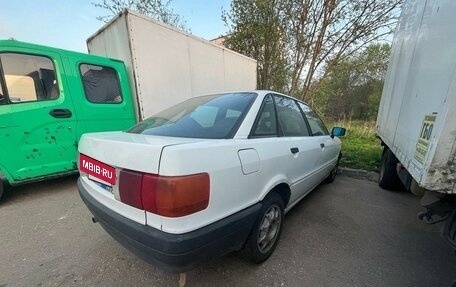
(30, 191)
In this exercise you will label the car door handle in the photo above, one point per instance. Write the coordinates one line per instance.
(294, 150)
(322, 145)
(60, 113)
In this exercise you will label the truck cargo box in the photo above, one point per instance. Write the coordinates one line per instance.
(166, 65)
(417, 114)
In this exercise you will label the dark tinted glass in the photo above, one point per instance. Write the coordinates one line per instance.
(291, 119)
(101, 84)
(213, 117)
(267, 122)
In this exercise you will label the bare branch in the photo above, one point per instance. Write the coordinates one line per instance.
(157, 9)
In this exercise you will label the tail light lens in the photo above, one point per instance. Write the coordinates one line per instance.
(171, 196)
(130, 188)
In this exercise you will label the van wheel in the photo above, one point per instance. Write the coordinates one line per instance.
(266, 232)
(388, 178)
(2, 188)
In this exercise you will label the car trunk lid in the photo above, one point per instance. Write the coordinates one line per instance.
(104, 155)
(130, 151)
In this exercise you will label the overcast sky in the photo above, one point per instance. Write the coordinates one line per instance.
(68, 23)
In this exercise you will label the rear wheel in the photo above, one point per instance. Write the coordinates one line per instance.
(388, 178)
(416, 189)
(266, 232)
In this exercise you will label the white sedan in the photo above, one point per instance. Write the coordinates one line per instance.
(206, 177)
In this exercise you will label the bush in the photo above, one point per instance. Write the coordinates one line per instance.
(361, 148)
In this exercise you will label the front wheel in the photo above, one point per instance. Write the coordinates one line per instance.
(2, 188)
(266, 232)
(332, 176)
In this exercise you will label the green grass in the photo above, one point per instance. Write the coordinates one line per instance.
(360, 147)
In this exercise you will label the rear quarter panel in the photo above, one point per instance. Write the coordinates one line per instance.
(231, 189)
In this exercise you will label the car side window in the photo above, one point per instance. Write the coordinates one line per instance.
(28, 78)
(101, 84)
(266, 123)
(290, 117)
(316, 124)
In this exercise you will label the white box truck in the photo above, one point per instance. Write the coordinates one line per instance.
(417, 116)
(167, 65)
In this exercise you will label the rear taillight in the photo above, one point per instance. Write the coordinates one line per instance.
(171, 196)
(130, 188)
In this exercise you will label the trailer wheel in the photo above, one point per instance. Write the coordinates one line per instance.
(388, 178)
(416, 189)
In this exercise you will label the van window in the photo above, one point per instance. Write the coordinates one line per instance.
(28, 78)
(3, 99)
(101, 84)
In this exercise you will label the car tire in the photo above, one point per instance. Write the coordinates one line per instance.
(2, 189)
(332, 175)
(416, 189)
(388, 178)
(266, 232)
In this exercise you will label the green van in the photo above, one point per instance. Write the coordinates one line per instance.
(48, 98)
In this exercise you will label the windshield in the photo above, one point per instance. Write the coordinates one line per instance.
(210, 117)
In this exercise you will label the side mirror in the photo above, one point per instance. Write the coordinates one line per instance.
(338, 132)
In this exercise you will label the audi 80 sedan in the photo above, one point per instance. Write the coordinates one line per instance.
(208, 176)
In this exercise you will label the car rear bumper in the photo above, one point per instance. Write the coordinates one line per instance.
(174, 252)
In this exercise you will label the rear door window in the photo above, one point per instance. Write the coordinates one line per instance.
(27, 78)
(101, 84)
(290, 117)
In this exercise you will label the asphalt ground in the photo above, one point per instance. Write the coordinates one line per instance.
(349, 233)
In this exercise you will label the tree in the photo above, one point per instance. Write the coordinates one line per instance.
(156, 9)
(256, 31)
(353, 88)
(311, 36)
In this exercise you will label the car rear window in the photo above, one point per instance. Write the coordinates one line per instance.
(211, 117)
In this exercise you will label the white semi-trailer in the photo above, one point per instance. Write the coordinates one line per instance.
(167, 65)
(417, 116)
